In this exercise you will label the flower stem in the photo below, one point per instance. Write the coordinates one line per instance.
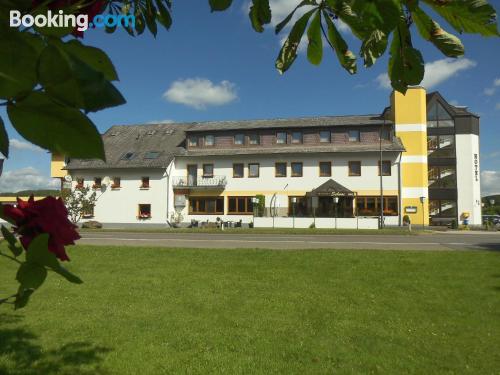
(11, 258)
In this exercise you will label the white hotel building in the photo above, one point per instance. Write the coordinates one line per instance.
(420, 155)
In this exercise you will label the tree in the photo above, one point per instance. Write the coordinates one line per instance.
(79, 202)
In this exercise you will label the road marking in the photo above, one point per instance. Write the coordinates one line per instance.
(287, 241)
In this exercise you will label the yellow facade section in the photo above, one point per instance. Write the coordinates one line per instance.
(415, 143)
(57, 164)
(414, 175)
(410, 108)
(419, 217)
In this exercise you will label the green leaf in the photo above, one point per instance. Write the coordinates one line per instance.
(346, 58)
(470, 16)
(430, 30)
(22, 298)
(4, 140)
(66, 130)
(17, 65)
(288, 52)
(345, 13)
(260, 14)
(373, 47)
(164, 16)
(315, 46)
(11, 239)
(378, 15)
(39, 253)
(31, 275)
(218, 5)
(93, 57)
(283, 23)
(406, 64)
(150, 16)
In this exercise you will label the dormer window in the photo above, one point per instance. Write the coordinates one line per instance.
(354, 136)
(385, 134)
(193, 141)
(239, 139)
(152, 155)
(254, 139)
(324, 136)
(296, 137)
(209, 140)
(281, 138)
(127, 156)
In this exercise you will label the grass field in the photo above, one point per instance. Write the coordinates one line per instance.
(181, 311)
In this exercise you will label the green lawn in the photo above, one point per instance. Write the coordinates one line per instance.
(158, 311)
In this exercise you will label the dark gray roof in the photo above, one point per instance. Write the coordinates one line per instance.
(167, 139)
(301, 122)
(330, 188)
(395, 145)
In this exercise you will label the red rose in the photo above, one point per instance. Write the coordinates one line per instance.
(47, 215)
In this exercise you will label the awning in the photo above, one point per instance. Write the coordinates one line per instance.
(331, 188)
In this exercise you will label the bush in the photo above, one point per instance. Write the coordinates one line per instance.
(454, 224)
(261, 205)
(406, 220)
(92, 224)
(312, 226)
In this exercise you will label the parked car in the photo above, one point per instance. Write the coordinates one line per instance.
(494, 219)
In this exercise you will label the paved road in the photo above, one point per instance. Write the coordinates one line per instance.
(435, 241)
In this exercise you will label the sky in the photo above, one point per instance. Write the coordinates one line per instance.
(213, 66)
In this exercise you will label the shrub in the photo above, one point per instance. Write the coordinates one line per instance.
(312, 226)
(454, 224)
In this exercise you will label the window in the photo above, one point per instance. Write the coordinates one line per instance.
(206, 205)
(325, 169)
(238, 170)
(240, 205)
(208, 170)
(354, 136)
(442, 177)
(88, 211)
(296, 137)
(152, 155)
(281, 138)
(80, 182)
(385, 134)
(354, 168)
(280, 169)
(209, 140)
(443, 208)
(253, 170)
(145, 183)
(385, 168)
(299, 208)
(441, 146)
(239, 139)
(296, 169)
(116, 183)
(193, 141)
(325, 136)
(370, 206)
(438, 117)
(127, 156)
(254, 139)
(97, 183)
(144, 211)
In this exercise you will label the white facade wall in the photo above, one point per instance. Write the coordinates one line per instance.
(468, 178)
(268, 185)
(121, 206)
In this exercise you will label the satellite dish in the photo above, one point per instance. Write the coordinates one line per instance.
(67, 178)
(105, 181)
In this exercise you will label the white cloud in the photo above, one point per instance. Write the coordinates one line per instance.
(497, 107)
(491, 90)
(436, 72)
(453, 102)
(17, 144)
(496, 82)
(201, 93)
(26, 179)
(490, 182)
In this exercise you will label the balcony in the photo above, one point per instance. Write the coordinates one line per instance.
(215, 182)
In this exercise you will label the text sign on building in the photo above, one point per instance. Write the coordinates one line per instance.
(411, 209)
(476, 168)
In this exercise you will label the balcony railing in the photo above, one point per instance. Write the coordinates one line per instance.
(199, 182)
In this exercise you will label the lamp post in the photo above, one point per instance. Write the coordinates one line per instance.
(294, 200)
(422, 200)
(336, 201)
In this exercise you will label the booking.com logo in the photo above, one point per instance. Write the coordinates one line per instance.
(79, 21)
